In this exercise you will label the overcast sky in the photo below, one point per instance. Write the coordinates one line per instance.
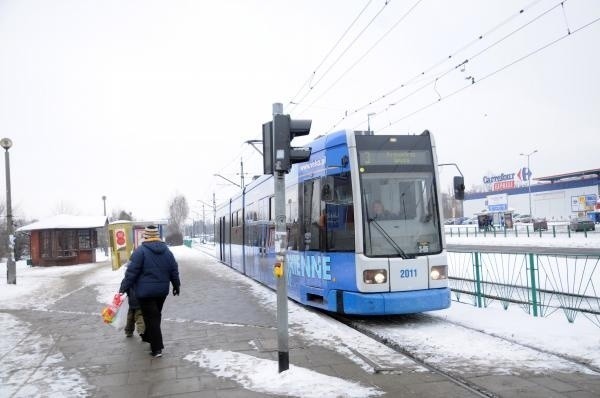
(143, 100)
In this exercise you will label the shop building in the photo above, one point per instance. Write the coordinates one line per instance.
(557, 198)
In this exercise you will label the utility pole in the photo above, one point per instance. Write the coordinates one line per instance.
(280, 267)
(242, 172)
(11, 269)
(278, 157)
(214, 218)
(528, 155)
(105, 229)
(203, 225)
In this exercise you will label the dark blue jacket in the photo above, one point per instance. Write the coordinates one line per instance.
(151, 267)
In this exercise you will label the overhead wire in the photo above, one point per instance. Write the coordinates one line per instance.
(434, 80)
(313, 74)
(298, 103)
(402, 18)
(452, 55)
(479, 80)
(394, 26)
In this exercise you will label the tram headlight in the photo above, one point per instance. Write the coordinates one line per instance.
(375, 276)
(438, 272)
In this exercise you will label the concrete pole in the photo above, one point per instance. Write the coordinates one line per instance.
(11, 269)
(280, 248)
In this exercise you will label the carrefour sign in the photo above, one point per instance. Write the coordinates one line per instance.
(504, 181)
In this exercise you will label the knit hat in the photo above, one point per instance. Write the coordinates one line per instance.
(151, 233)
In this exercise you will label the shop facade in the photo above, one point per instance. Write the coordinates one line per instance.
(556, 198)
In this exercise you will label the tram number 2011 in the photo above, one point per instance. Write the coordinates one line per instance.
(408, 273)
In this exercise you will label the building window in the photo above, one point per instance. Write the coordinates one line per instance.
(85, 239)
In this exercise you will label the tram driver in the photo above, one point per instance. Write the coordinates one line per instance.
(379, 212)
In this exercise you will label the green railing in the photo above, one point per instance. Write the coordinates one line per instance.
(539, 284)
(519, 230)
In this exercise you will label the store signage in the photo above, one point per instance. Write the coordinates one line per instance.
(503, 181)
(497, 202)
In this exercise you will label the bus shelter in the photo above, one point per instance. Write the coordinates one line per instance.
(487, 220)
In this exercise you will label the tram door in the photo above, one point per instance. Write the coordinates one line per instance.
(314, 230)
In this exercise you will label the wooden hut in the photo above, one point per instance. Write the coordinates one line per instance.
(64, 239)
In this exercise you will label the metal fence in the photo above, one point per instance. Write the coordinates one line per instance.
(519, 230)
(540, 284)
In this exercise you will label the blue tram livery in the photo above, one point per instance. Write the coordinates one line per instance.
(364, 227)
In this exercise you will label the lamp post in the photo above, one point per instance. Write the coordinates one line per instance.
(369, 121)
(529, 178)
(204, 220)
(105, 235)
(11, 271)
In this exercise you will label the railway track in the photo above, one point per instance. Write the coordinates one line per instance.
(369, 328)
(456, 379)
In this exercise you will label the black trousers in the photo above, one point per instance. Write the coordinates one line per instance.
(152, 313)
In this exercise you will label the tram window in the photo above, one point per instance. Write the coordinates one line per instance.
(337, 216)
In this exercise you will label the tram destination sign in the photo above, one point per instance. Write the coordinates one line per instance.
(394, 157)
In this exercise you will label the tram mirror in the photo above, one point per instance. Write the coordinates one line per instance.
(459, 188)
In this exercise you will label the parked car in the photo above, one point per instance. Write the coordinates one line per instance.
(459, 220)
(582, 224)
(470, 221)
(522, 218)
(540, 223)
(449, 221)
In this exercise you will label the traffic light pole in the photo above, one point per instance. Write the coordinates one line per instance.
(280, 247)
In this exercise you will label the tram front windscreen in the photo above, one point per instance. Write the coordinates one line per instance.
(398, 193)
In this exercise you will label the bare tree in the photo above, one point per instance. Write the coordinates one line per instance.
(122, 215)
(64, 207)
(178, 212)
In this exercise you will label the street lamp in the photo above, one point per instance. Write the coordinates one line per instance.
(369, 121)
(11, 270)
(105, 238)
(529, 178)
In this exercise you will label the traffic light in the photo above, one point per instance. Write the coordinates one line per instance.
(284, 131)
(268, 148)
(459, 188)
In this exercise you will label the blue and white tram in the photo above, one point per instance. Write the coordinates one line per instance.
(342, 256)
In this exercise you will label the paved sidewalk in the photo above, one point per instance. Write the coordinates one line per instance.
(215, 313)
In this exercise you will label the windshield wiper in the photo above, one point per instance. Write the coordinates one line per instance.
(387, 237)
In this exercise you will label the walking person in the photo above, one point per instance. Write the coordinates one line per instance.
(135, 319)
(151, 268)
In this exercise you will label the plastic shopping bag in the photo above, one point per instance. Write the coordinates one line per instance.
(115, 314)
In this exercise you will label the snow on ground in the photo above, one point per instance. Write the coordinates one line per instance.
(441, 341)
(258, 375)
(580, 339)
(29, 364)
(577, 239)
(322, 330)
(253, 373)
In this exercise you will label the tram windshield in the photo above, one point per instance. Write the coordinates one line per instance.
(399, 203)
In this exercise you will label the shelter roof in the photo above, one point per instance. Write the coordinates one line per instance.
(66, 221)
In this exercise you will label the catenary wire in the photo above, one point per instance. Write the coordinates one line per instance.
(479, 80)
(396, 24)
(296, 104)
(452, 55)
(313, 74)
(434, 80)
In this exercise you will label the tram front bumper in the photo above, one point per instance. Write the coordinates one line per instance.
(388, 303)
